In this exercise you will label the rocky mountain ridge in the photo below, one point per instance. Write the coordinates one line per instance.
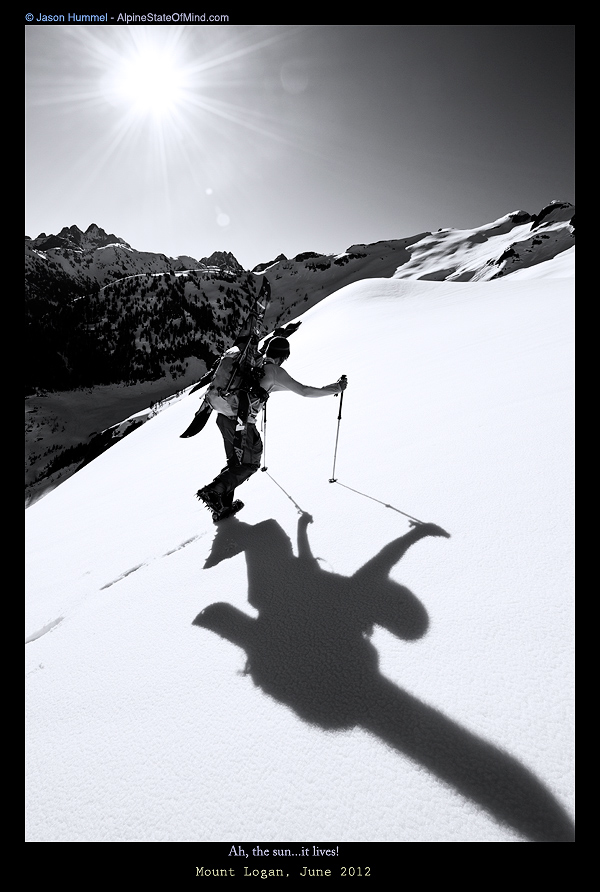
(101, 315)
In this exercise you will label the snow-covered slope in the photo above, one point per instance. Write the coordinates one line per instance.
(513, 242)
(452, 721)
(150, 321)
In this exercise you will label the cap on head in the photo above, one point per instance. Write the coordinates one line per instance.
(278, 348)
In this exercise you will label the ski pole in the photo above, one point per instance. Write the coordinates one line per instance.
(333, 479)
(264, 425)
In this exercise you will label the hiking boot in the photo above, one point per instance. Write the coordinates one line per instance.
(228, 511)
(211, 499)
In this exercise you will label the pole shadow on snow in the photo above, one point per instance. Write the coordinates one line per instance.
(309, 649)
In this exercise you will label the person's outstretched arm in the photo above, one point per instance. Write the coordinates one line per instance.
(276, 378)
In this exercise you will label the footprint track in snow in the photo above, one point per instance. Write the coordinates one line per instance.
(122, 576)
(145, 563)
(44, 630)
(54, 623)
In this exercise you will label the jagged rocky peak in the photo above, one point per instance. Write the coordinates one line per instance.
(73, 237)
(223, 260)
(96, 234)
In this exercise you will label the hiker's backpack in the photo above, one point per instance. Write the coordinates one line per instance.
(235, 389)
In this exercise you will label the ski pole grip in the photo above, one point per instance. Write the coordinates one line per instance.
(341, 378)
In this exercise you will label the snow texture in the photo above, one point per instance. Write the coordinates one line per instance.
(318, 668)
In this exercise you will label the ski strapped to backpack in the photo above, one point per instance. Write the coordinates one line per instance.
(245, 377)
(241, 371)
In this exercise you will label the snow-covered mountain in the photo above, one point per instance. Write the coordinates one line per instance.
(72, 237)
(318, 670)
(90, 258)
(96, 257)
(515, 241)
(132, 327)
